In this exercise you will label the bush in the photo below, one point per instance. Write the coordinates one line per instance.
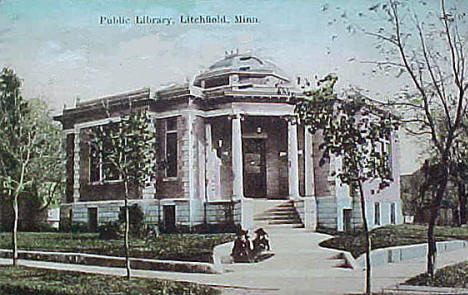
(109, 231)
(79, 227)
(136, 216)
(454, 276)
(65, 225)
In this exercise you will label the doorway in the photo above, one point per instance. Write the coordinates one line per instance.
(254, 167)
(92, 219)
(169, 215)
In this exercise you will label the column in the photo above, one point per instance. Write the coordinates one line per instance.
(76, 166)
(237, 161)
(293, 159)
(308, 163)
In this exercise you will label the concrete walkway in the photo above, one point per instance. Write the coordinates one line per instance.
(300, 266)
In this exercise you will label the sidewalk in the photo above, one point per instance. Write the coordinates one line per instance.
(300, 266)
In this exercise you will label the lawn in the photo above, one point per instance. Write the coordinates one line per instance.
(187, 247)
(28, 281)
(388, 236)
(454, 276)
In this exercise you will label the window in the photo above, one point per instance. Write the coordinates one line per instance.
(387, 150)
(171, 147)
(101, 169)
(94, 165)
(377, 213)
(392, 213)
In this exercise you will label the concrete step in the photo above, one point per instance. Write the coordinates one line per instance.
(288, 225)
(286, 205)
(284, 221)
(280, 210)
(289, 214)
(277, 217)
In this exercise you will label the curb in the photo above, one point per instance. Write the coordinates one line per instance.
(114, 261)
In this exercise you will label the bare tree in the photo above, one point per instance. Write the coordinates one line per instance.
(430, 50)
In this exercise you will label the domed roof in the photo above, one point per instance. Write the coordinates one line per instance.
(244, 63)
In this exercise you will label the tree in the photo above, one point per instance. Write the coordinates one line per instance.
(434, 60)
(25, 148)
(48, 172)
(126, 150)
(356, 132)
(425, 48)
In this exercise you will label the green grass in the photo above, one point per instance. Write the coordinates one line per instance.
(29, 281)
(187, 247)
(453, 276)
(388, 236)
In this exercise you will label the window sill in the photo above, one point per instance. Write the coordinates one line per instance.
(105, 182)
(167, 179)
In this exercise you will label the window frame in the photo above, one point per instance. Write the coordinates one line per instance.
(393, 213)
(167, 131)
(101, 175)
(377, 214)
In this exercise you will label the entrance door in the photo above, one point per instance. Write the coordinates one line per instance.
(169, 218)
(254, 167)
(92, 219)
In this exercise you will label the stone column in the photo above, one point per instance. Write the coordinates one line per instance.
(293, 159)
(308, 163)
(237, 161)
(76, 166)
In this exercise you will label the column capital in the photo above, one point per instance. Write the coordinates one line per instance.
(236, 116)
(291, 119)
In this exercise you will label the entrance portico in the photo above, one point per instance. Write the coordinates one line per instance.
(265, 155)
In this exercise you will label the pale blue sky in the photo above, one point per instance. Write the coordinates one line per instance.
(62, 52)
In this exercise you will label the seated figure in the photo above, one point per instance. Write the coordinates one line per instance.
(261, 242)
(241, 252)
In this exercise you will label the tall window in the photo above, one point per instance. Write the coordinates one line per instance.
(171, 147)
(377, 213)
(94, 165)
(387, 149)
(392, 213)
(101, 169)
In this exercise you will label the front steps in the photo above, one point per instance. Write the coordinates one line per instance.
(282, 215)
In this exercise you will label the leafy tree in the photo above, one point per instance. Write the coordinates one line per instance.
(26, 148)
(356, 132)
(126, 150)
(47, 174)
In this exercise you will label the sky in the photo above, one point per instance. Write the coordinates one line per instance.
(62, 51)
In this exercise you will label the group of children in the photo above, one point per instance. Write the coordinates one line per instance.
(244, 250)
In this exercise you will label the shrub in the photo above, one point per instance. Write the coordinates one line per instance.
(109, 231)
(79, 227)
(454, 276)
(136, 216)
(65, 225)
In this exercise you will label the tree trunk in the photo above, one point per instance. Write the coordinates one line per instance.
(368, 239)
(435, 205)
(127, 229)
(462, 201)
(15, 230)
